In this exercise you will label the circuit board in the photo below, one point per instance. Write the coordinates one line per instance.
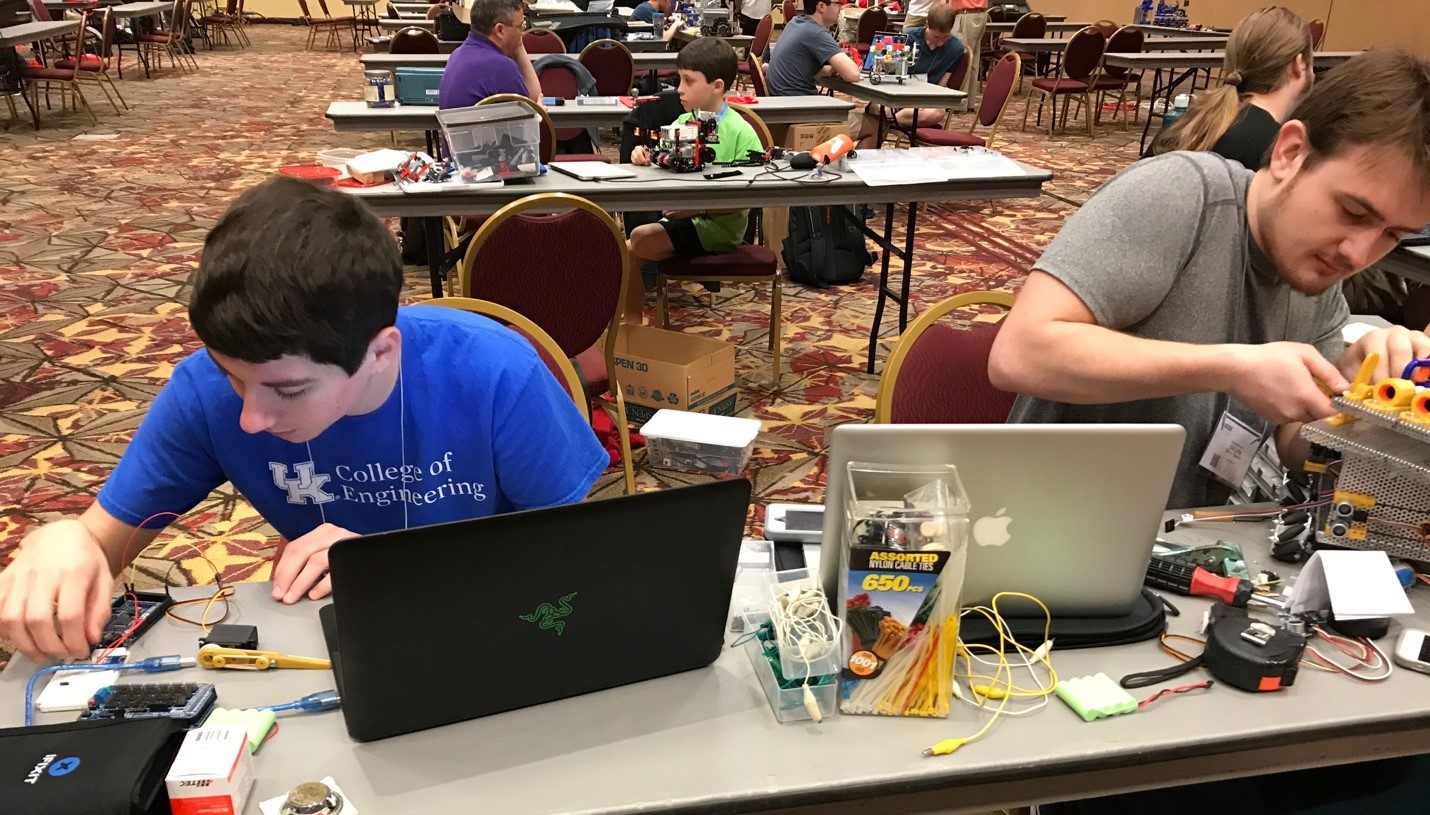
(186, 702)
(146, 606)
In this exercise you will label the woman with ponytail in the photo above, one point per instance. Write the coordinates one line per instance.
(1266, 71)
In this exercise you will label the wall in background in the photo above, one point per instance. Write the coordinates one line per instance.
(1350, 25)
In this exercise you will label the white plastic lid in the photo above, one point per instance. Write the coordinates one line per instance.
(702, 428)
(1181, 101)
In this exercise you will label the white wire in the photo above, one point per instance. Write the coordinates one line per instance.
(1044, 690)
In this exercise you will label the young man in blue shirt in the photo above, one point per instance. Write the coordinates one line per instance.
(937, 54)
(646, 11)
(334, 412)
(492, 59)
(806, 50)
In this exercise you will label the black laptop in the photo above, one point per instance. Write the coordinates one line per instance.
(445, 623)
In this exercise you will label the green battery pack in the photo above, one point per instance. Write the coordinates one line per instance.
(1095, 697)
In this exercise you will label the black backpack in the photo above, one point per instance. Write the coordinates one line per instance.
(825, 249)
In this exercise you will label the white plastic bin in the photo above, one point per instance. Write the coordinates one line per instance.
(699, 442)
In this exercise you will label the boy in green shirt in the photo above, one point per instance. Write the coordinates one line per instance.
(707, 68)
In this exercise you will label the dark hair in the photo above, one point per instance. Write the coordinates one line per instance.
(292, 268)
(1379, 98)
(711, 56)
(811, 5)
(487, 13)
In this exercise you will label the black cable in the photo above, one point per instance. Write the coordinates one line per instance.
(1145, 678)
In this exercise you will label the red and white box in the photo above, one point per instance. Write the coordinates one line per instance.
(212, 774)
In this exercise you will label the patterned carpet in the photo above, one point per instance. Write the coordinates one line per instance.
(100, 227)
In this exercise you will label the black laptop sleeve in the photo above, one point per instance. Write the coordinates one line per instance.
(1146, 620)
(97, 768)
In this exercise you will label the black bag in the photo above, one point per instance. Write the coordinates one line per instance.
(112, 767)
(450, 29)
(1146, 620)
(825, 247)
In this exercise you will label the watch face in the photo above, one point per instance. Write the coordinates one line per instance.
(312, 798)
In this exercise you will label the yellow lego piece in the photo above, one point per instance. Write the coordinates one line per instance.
(1359, 500)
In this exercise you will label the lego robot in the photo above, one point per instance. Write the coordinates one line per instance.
(687, 148)
(891, 58)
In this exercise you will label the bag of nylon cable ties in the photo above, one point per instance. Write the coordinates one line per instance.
(906, 544)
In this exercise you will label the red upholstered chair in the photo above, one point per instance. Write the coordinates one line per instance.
(95, 67)
(414, 40)
(348, 23)
(757, 76)
(546, 347)
(1107, 27)
(560, 81)
(871, 21)
(938, 374)
(333, 29)
(1032, 26)
(996, 93)
(226, 22)
(610, 63)
(561, 261)
(790, 9)
(1126, 40)
(757, 46)
(750, 262)
(1081, 59)
(62, 79)
(1317, 30)
(899, 133)
(543, 41)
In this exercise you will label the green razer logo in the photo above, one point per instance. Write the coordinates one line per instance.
(549, 616)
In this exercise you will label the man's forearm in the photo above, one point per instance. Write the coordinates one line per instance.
(1291, 447)
(528, 75)
(1079, 363)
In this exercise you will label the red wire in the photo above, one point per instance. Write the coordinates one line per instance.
(130, 542)
(271, 733)
(1206, 683)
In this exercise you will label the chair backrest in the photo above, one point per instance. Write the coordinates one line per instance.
(997, 14)
(762, 35)
(871, 21)
(323, 4)
(1107, 27)
(561, 82)
(307, 13)
(1125, 40)
(790, 9)
(38, 12)
(545, 346)
(543, 41)
(414, 40)
(1083, 53)
(611, 65)
(1317, 30)
(231, 8)
(106, 37)
(558, 259)
(757, 76)
(954, 78)
(754, 224)
(997, 90)
(939, 374)
(548, 130)
(1032, 26)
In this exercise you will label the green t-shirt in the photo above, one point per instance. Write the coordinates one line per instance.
(721, 233)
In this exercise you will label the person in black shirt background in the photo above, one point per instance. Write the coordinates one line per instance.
(1266, 71)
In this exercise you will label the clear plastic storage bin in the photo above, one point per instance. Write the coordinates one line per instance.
(699, 442)
(788, 704)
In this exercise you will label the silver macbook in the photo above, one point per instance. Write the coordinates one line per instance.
(1067, 513)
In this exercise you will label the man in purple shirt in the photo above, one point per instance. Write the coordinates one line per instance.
(492, 59)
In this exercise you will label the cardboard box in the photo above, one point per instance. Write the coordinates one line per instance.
(805, 136)
(212, 774)
(668, 369)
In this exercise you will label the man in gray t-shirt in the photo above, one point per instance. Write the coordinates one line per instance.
(1188, 285)
(803, 50)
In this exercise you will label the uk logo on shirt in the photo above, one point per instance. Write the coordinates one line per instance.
(303, 488)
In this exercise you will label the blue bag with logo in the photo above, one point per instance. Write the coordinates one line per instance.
(112, 767)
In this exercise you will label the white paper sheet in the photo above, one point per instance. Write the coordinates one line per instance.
(1355, 585)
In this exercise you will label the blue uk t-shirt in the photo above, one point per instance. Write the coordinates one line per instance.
(476, 426)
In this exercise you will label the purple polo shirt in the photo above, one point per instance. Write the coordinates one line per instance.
(476, 70)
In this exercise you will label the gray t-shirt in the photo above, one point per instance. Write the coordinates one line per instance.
(1163, 251)
(803, 48)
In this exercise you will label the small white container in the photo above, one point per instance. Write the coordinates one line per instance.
(699, 442)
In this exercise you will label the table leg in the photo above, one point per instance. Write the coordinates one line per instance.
(1166, 101)
(886, 243)
(432, 234)
(908, 264)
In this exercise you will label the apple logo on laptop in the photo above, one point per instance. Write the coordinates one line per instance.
(992, 530)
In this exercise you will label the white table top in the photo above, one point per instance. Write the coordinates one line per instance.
(386, 23)
(32, 31)
(132, 10)
(1053, 25)
(1047, 44)
(1203, 59)
(706, 740)
(644, 61)
(549, 7)
(355, 115)
(912, 93)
